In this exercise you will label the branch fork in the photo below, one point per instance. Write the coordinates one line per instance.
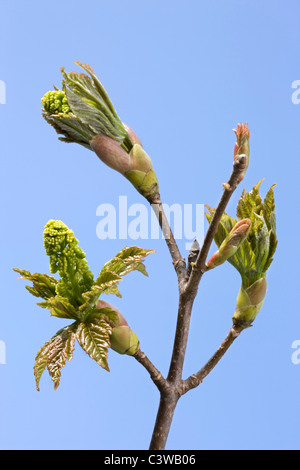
(173, 387)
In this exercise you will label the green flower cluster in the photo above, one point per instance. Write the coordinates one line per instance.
(55, 102)
(97, 325)
(68, 259)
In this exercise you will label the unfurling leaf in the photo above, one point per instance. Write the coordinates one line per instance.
(106, 283)
(127, 260)
(43, 285)
(60, 307)
(54, 354)
(94, 339)
(255, 255)
(242, 145)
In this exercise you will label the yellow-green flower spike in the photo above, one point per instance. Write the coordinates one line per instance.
(68, 259)
(55, 102)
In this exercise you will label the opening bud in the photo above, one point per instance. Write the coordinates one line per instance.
(134, 139)
(242, 144)
(249, 302)
(231, 243)
(122, 339)
(83, 113)
(141, 173)
(111, 153)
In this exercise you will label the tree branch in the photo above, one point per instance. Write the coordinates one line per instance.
(178, 261)
(196, 379)
(167, 405)
(155, 374)
(181, 338)
(199, 268)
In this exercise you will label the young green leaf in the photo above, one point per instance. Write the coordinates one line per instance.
(60, 307)
(108, 314)
(255, 255)
(269, 208)
(93, 337)
(250, 203)
(127, 260)
(90, 103)
(71, 128)
(43, 285)
(105, 283)
(54, 354)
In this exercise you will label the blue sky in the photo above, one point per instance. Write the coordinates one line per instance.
(182, 75)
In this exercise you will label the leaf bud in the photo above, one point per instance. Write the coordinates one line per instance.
(122, 339)
(249, 302)
(231, 243)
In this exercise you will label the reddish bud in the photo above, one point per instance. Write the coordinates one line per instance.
(111, 153)
(132, 135)
(231, 243)
(122, 339)
(242, 144)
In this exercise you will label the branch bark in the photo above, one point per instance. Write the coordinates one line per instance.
(167, 405)
(178, 261)
(155, 374)
(196, 379)
(181, 338)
